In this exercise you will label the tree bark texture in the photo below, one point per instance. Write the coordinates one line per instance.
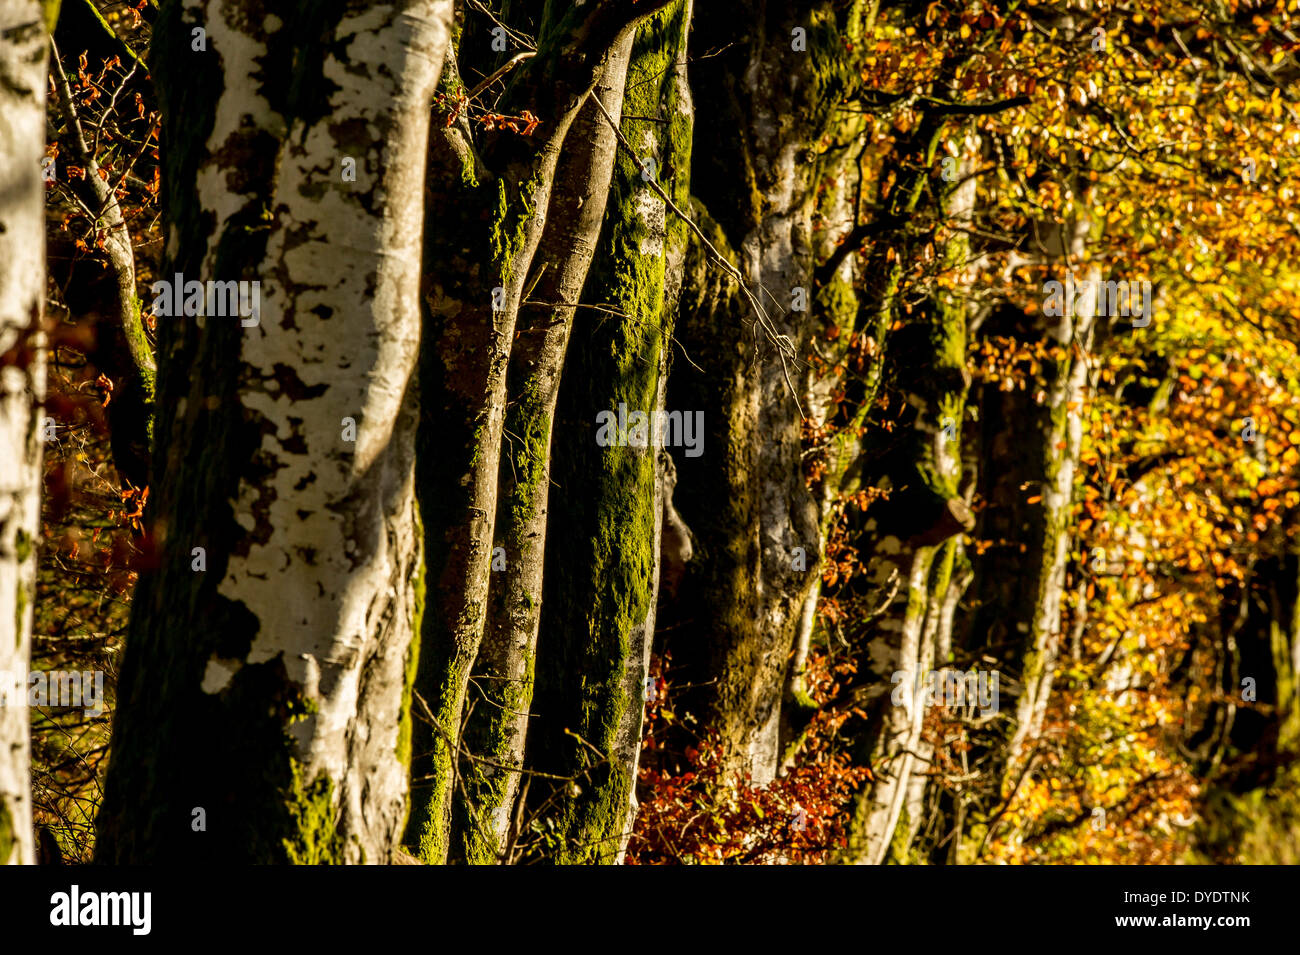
(23, 44)
(289, 646)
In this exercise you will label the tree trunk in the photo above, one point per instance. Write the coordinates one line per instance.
(285, 643)
(913, 534)
(1058, 443)
(23, 45)
(479, 265)
(505, 668)
(123, 351)
(1036, 435)
(769, 102)
(602, 565)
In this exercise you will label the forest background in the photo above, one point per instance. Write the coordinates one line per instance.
(976, 326)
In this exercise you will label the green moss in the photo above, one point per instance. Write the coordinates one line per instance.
(941, 568)
(20, 615)
(138, 343)
(490, 219)
(413, 653)
(428, 820)
(600, 594)
(491, 733)
(509, 225)
(837, 300)
(901, 839)
(143, 360)
(530, 424)
(315, 839)
(833, 66)
(468, 177)
(22, 546)
(488, 787)
(8, 841)
(50, 12)
(476, 447)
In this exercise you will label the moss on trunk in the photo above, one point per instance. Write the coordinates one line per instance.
(602, 554)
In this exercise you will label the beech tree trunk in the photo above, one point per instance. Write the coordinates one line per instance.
(262, 704)
(602, 565)
(1019, 588)
(479, 263)
(913, 533)
(505, 668)
(23, 46)
(745, 498)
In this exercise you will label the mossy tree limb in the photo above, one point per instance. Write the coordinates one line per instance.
(493, 197)
(603, 541)
(494, 734)
(912, 538)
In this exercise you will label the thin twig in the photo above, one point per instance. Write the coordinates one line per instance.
(499, 72)
(619, 314)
